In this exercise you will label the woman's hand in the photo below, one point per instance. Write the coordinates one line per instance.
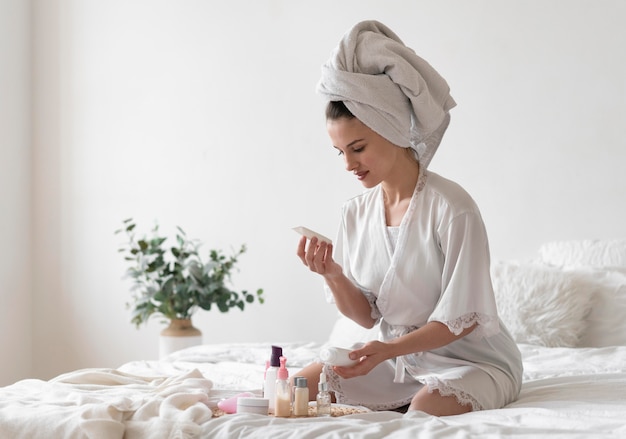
(318, 257)
(350, 301)
(431, 336)
(369, 356)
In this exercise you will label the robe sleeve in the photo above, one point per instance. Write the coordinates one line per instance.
(342, 257)
(467, 294)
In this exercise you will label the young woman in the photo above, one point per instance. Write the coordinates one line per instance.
(412, 251)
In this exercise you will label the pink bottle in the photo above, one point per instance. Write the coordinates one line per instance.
(282, 403)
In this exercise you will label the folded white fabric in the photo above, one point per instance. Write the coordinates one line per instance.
(388, 88)
(106, 403)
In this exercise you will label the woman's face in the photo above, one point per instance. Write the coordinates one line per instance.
(368, 155)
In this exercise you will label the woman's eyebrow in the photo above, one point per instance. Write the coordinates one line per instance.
(351, 144)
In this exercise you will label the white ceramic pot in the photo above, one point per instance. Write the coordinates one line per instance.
(180, 334)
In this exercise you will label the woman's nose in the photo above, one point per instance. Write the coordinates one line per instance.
(350, 163)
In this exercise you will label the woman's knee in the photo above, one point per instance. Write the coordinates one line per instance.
(433, 403)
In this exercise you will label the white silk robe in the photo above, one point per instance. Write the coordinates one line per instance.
(437, 270)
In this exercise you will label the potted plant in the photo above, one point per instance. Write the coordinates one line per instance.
(174, 281)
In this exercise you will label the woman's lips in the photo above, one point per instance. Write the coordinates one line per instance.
(361, 175)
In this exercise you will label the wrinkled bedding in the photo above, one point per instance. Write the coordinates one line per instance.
(567, 392)
(106, 403)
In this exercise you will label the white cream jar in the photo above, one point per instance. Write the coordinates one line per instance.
(259, 406)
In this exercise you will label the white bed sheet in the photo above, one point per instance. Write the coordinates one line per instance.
(567, 393)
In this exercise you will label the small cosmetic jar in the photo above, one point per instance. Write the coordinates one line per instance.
(259, 406)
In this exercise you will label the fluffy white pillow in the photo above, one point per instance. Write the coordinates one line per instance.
(605, 262)
(608, 255)
(542, 305)
(606, 323)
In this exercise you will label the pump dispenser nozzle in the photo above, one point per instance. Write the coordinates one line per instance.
(283, 372)
(323, 384)
(277, 352)
(323, 397)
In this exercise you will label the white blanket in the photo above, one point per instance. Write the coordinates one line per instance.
(105, 403)
(567, 393)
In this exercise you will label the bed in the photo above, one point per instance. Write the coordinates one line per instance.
(566, 309)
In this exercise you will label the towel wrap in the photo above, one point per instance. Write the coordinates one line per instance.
(389, 88)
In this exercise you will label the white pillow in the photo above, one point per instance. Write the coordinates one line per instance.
(606, 323)
(610, 254)
(542, 305)
(605, 262)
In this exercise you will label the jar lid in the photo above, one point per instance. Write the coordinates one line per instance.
(253, 401)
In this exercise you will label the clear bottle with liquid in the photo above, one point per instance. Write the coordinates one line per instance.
(323, 401)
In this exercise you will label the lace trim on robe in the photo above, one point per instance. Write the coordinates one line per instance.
(431, 382)
(335, 385)
(375, 312)
(371, 298)
(445, 389)
(421, 179)
(487, 325)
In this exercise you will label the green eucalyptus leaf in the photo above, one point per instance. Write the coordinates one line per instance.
(175, 281)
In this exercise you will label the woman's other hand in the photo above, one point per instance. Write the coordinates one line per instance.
(370, 355)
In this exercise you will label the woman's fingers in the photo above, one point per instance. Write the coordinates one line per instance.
(317, 255)
(314, 255)
(310, 253)
(369, 355)
(301, 252)
(361, 368)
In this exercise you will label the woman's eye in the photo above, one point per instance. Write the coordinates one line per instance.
(352, 150)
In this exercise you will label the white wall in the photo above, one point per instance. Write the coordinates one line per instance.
(205, 116)
(15, 267)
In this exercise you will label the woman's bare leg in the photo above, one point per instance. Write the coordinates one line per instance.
(435, 404)
(312, 375)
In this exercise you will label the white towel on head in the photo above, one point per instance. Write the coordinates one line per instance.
(388, 88)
